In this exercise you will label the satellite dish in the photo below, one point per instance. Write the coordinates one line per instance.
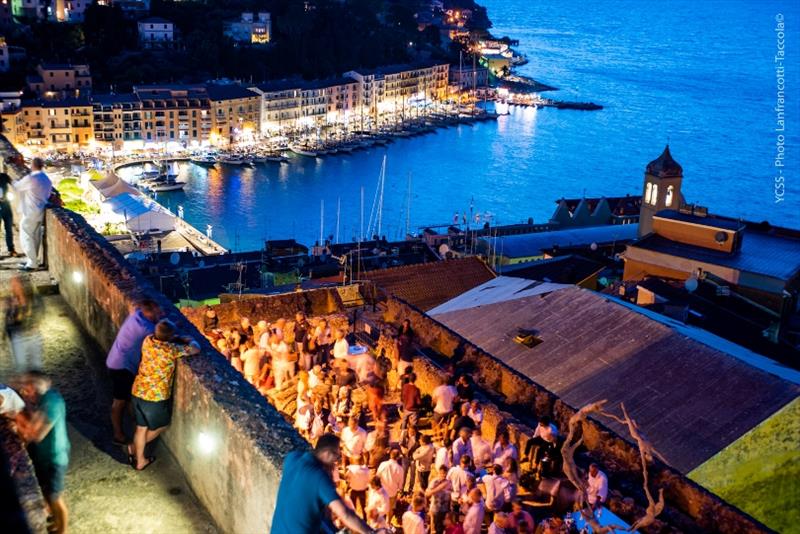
(174, 258)
(443, 249)
(690, 284)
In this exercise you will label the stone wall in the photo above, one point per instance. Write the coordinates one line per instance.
(229, 442)
(690, 507)
(269, 307)
(19, 472)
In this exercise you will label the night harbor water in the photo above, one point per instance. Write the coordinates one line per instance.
(699, 75)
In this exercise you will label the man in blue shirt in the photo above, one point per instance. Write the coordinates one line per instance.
(45, 430)
(124, 357)
(306, 490)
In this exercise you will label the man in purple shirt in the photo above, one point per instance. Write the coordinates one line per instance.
(123, 359)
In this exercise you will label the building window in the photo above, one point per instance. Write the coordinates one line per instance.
(670, 193)
(654, 199)
(648, 192)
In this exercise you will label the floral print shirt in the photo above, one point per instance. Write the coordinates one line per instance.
(154, 381)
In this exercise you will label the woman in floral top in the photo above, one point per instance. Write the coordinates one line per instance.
(152, 388)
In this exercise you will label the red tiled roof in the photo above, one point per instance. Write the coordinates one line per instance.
(426, 285)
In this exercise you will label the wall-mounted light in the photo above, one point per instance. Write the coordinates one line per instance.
(77, 277)
(206, 443)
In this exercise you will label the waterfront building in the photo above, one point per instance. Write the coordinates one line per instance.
(174, 116)
(64, 124)
(54, 80)
(117, 121)
(235, 113)
(299, 105)
(280, 106)
(399, 89)
(467, 78)
(156, 32)
(327, 102)
(251, 29)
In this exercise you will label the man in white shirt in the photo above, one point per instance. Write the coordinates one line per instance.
(462, 446)
(476, 413)
(353, 439)
(474, 518)
(443, 397)
(391, 474)
(597, 489)
(459, 478)
(340, 346)
(481, 449)
(496, 489)
(377, 503)
(504, 451)
(33, 192)
(413, 519)
(357, 477)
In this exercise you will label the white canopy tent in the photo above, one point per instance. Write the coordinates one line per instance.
(111, 186)
(139, 213)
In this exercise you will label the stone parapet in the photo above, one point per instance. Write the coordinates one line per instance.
(229, 442)
(18, 477)
(689, 508)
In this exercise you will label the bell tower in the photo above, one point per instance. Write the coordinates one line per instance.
(662, 189)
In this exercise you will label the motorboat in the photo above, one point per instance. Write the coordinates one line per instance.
(277, 158)
(304, 151)
(206, 160)
(232, 159)
(168, 185)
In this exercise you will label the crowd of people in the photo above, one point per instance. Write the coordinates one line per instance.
(386, 457)
(396, 462)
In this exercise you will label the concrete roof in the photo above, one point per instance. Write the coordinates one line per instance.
(691, 392)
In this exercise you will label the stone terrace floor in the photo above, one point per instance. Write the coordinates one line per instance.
(104, 493)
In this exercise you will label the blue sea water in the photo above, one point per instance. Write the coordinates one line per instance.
(699, 75)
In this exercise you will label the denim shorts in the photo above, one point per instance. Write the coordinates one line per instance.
(153, 415)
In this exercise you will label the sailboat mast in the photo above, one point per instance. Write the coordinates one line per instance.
(408, 206)
(321, 222)
(338, 213)
(361, 225)
(380, 201)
